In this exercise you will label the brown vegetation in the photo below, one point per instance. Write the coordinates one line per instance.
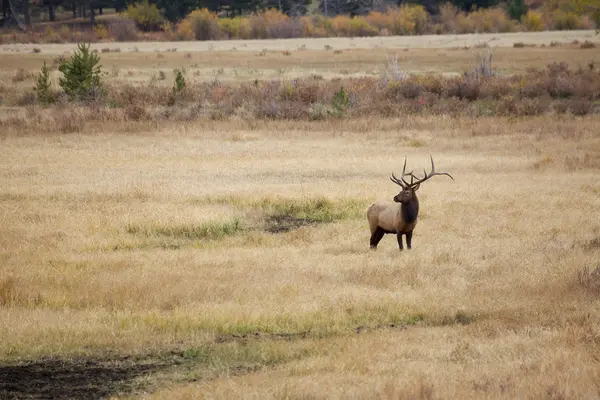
(557, 89)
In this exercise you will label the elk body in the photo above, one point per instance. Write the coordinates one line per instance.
(399, 217)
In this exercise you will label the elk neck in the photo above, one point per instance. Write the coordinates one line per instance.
(410, 210)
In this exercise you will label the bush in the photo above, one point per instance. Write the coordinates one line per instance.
(448, 14)
(146, 16)
(262, 22)
(123, 29)
(82, 74)
(235, 28)
(491, 20)
(379, 20)
(203, 24)
(408, 20)
(359, 26)
(101, 32)
(533, 21)
(562, 20)
(179, 81)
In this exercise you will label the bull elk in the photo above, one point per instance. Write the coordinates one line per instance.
(400, 217)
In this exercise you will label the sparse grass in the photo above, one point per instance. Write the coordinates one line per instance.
(587, 45)
(214, 230)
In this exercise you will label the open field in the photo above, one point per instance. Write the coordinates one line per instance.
(148, 250)
(389, 42)
(177, 261)
(265, 59)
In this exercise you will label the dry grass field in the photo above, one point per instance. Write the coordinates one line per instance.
(330, 57)
(230, 258)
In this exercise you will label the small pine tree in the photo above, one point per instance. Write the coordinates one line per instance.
(340, 102)
(179, 81)
(43, 86)
(82, 75)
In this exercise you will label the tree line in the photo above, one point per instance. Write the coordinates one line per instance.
(175, 10)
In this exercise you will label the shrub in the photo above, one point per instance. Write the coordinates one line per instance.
(533, 21)
(580, 106)
(179, 81)
(203, 24)
(563, 20)
(379, 20)
(82, 74)
(341, 25)
(51, 36)
(462, 88)
(101, 32)
(408, 20)
(587, 45)
(123, 29)
(289, 28)
(448, 14)
(491, 20)
(65, 32)
(264, 22)
(235, 28)
(21, 75)
(146, 16)
(359, 26)
(184, 30)
(43, 87)
(340, 102)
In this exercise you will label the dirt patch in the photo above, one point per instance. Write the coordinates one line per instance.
(70, 379)
(286, 223)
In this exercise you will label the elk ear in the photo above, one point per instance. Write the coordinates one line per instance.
(416, 187)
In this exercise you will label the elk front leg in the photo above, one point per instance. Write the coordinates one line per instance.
(409, 239)
(399, 236)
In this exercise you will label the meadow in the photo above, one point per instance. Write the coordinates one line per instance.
(229, 257)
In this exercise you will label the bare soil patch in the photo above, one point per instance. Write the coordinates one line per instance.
(85, 378)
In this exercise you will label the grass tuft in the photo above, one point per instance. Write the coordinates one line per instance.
(208, 230)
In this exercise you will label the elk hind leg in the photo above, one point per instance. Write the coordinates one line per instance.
(376, 236)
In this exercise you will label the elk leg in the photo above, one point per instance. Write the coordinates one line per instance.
(376, 237)
(408, 239)
(399, 236)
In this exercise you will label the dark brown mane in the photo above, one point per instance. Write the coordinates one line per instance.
(410, 211)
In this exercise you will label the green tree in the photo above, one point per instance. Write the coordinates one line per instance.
(82, 75)
(43, 86)
(516, 9)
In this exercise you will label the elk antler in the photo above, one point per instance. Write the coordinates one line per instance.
(401, 181)
(432, 173)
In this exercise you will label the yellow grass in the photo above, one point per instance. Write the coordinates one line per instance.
(230, 259)
(491, 284)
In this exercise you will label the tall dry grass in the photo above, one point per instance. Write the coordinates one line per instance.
(555, 90)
